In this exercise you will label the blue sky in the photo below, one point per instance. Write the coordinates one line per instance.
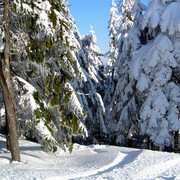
(95, 13)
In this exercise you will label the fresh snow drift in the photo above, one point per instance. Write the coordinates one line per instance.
(88, 162)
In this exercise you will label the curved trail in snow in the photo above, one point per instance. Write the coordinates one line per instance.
(133, 165)
(99, 171)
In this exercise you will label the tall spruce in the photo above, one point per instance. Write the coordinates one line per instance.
(146, 98)
(111, 54)
(121, 117)
(90, 91)
(44, 62)
(155, 67)
(112, 27)
(52, 76)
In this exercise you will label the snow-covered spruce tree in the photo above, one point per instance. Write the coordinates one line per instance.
(44, 63)
(90, 90)
(112, 27)
(155, 67)
(93, 53)
(111, 54)
(121, 118)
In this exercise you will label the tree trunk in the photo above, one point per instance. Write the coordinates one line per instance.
(176, 142)
(7, 136)
(149, 144)
(8, 92)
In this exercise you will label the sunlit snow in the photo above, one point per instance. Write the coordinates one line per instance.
(88, 162)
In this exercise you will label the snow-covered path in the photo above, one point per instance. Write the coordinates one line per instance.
(89, 162)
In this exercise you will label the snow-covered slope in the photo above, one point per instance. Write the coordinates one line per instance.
(88, 162)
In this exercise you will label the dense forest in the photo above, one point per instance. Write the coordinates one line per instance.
(61, 91)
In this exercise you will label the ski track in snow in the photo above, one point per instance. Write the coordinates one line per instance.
(96, 172)
(89, 162)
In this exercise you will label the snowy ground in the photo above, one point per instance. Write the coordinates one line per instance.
(89, 162)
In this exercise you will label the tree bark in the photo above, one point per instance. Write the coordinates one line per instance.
(7, 136)
(159, 148)
(176, 142)
(8, 91)
(149, 144)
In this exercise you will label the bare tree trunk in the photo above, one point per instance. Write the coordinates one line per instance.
(7, 136)
(159, 148)
(8, 92)
(149, 144)
(176, 142)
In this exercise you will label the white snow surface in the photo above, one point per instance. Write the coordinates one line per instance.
(88, 162)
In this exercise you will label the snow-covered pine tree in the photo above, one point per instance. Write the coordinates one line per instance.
(155, 67)
(43, 42)
(91, 90)
(111, 54)
(58, 78)
(122, 112)
(112, 27)
(93, 53)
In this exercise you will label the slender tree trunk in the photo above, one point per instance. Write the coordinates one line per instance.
(176, 142)
(159, 148)
(7, 88)
(149, 144)
(7, 136)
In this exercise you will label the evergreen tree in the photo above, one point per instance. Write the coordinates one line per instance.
(43, 42)
(121, 119)
(58, 76)
(111, 54)
(147, 70)
(91, 90)
(155, 67)
(112, 27)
